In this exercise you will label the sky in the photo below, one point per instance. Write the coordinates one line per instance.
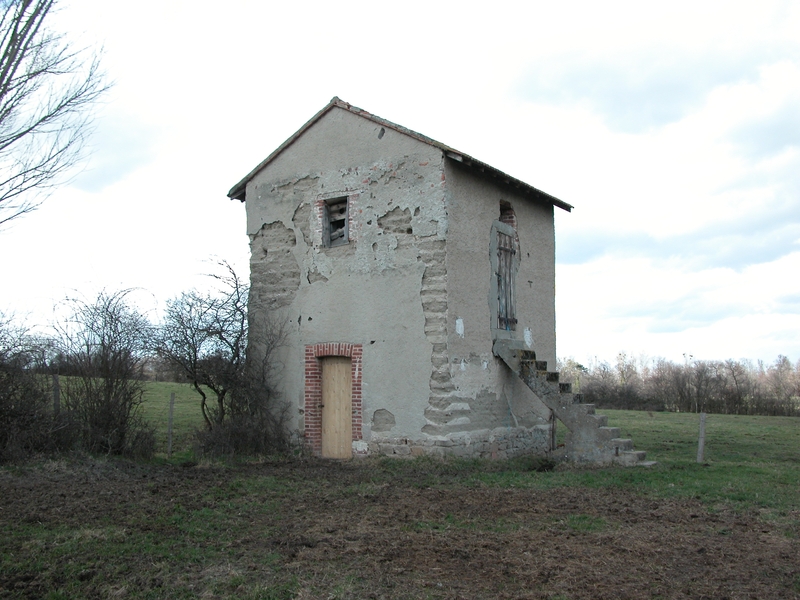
(672, 128)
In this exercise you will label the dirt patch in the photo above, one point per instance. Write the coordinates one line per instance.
(314, 529)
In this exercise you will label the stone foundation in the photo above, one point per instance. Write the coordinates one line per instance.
(502, 442)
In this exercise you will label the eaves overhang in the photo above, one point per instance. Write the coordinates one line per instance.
(239, 191)
(489, 172)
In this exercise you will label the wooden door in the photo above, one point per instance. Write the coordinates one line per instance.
(337, 411)
(506, 310)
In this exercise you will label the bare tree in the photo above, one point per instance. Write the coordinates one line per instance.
(573, 372)
(47, 89)
(783, 383)
(204, 334)
(726, 387)
(207, 335)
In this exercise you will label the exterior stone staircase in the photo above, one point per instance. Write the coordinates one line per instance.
(589, 438)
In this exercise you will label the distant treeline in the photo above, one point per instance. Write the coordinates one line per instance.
(735, 387)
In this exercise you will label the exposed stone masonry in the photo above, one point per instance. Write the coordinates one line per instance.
(274, 271)
(502, 442)
(397, 221)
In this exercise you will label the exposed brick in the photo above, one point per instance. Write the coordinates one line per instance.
(313, 389)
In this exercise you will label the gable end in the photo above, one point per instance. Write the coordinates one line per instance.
(239, 191)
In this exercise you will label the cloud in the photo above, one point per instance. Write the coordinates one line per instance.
(640, 90)
(789, 303)
(686, 314)
(706, 305)
(738, 237)
(119, 145)
(707, 248)
(771, 135)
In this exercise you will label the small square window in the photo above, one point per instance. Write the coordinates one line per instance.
(336, 226)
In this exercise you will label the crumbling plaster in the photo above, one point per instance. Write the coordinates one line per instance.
(397, 215)
(412, 286)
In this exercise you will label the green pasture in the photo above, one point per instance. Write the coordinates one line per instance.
(187, 417)
(751, 462)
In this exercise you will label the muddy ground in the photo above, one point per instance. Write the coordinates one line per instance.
(314, 529)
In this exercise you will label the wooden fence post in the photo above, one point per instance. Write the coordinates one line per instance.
(701, 441)
(56, 395)
(169, 426)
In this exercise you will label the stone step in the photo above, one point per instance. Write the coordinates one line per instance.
(602, 422)
(577, 415)
(629, 458)
(575, 411)
(622, 444)
(608, 433)
(589, 438)
(568, 411)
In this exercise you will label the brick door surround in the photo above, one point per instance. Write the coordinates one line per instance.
(313, 389)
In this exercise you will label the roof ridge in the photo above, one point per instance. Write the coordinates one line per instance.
(237, 192)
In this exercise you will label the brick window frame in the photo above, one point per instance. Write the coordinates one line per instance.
(322, 208)
(507, 214)
(313, 389)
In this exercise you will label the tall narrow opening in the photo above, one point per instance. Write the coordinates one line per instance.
(506, 309)
(507, 260)
(332, 411)
(337, 413)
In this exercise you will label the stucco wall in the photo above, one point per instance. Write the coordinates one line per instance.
(368, 292)
(411, 287)
(495, 397)
(473, 204)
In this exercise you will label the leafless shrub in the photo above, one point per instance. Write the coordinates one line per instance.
(101, 345)
(27, 421)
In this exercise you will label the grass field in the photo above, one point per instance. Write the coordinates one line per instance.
(187, 417)
(749, 461)
(392, 528)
